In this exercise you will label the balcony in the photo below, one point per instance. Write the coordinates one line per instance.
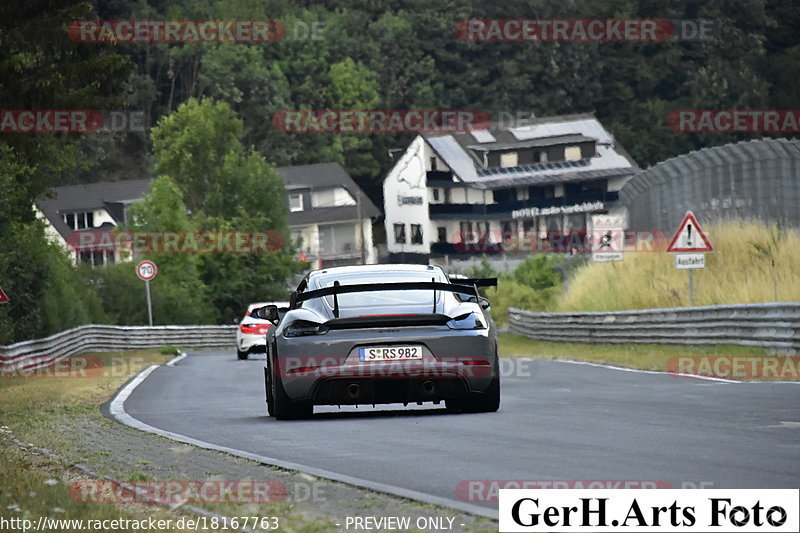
(503, 210)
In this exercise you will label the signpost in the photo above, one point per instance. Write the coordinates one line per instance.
(146, 270)
(690, 244)
(607, 238)
(3, 296)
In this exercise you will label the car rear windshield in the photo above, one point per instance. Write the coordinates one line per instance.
(379, 299)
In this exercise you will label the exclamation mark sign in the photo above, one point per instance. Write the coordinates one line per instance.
(688, 235)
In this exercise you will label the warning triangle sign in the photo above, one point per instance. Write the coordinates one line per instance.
(3, 296)
(690, 237)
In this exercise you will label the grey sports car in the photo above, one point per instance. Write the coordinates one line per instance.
(378, 334)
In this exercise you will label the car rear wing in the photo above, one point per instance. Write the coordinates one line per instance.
(477, 282)
(336, 289)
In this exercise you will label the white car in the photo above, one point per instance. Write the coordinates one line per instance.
(251, 334)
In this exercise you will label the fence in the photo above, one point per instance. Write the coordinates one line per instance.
(775, 326)
(40, 353)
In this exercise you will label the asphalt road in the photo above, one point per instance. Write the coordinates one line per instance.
(562, 422)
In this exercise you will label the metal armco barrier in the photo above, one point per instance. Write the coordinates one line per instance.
(775, 326)
(39, 353)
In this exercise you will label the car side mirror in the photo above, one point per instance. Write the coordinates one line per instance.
(484, 303)
(268, 312)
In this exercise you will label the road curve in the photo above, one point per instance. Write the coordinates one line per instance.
(558, 421)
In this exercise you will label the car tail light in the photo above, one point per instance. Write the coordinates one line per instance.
(467, 321)
(254, 329)
(301, 328)
(475, 362)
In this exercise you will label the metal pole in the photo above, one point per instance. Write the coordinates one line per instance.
(691, 286)
(361, 227)
(149, 303)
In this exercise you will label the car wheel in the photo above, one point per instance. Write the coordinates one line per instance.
(284, 408)
(241, 355)
(268, 389)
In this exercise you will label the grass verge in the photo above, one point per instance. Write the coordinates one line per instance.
(641, 356)
(39, 405)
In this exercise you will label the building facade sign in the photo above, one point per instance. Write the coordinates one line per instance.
(409, 200)
(531, 212)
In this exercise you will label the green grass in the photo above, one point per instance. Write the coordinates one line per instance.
(641, 356)
(27, 493)
(753, 262)
(33, 406)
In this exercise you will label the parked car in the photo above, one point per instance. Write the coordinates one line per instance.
(377, 334)
(251, 334)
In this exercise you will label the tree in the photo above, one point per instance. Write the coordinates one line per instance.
(191, 145)
(42, 68)
(178, 294)
(230, 190)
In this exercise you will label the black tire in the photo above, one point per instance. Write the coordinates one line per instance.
(487, 402)
(268, 388)
(284, 408)
(241, 355)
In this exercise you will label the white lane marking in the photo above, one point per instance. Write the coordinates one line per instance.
(177, 359)
(657, 372)
(117, 410)
(636, 370)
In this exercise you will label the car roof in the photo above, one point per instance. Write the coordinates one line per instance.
(355, 269)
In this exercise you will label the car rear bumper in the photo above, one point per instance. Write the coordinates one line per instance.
(251, 343)
(386, 382)
(354, 391)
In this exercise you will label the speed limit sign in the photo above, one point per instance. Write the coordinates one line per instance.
(146, 270)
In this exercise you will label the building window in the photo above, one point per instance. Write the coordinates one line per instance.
(96, 258)
(509, 159)
(572, 153)
(78, 221)
(540, 157)
(433, 164)
(527, 226)
(295, 202)
(508, 229)
(441, 234)
(416, 234)
(467, 235)
(400, 233)
(435, 195)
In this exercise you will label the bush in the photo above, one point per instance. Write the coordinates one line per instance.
(510, 293)
(124, 297)
(533, 285)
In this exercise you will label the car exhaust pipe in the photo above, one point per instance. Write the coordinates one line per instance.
(428, 388)
(354, 390)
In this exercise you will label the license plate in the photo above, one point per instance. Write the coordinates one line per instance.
(389, 353)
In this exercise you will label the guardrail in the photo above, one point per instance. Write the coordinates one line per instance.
(775, 326)
(39, 353)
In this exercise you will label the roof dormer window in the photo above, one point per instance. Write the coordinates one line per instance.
(509, 159)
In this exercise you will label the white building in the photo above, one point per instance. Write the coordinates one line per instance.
(92, 207)
(460, 195)
(325, 215)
